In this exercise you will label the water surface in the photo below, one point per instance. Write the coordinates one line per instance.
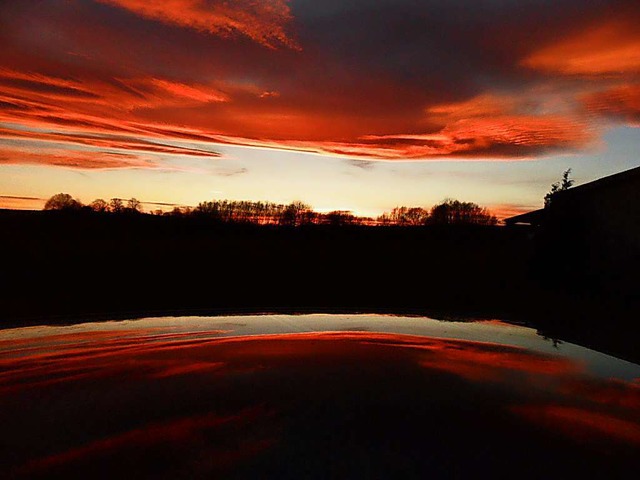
(312, 396)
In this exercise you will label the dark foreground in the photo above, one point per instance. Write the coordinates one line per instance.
(74, 266)
(311, 397)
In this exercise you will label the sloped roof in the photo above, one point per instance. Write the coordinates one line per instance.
(610, 181)
(536, 217)
(530, 218)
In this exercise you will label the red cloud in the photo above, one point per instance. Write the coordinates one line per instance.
(116, 95)
(487, 126)
(483, 127)
(508, 136)
(419, 98)
(74, 159)
(263, 21)
(181, 90)
(99, 140)
(604, 49)
(621, 102)
(246, 113)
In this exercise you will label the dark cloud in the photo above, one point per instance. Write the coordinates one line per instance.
(362, 164)
(47, 89)
(232, 172)
(15, 197)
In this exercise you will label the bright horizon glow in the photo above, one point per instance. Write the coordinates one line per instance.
(325, 103)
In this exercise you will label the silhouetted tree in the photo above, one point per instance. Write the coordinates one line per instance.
(451, 212)
(405, 216)
(560, 186)
(116, 205)
(180, 212)
(416, 216)
(293, 213)
(340, 218)
(134, 205)
(208, 209)
(62, 201)
(99, 205)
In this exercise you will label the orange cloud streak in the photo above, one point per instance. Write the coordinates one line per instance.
(85, 160)
(189, 92)
(607, 49)
(263, 21)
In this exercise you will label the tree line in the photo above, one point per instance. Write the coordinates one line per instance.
(448, 212)
(64, 201)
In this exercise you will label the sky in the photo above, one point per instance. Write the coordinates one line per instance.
(342, 104)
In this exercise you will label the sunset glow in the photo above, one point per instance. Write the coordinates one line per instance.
(399, 94)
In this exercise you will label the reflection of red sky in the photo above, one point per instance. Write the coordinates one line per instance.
(39, 361)
(115, 359)
(179, 434)
(491, 365)
(194, 367)
(27, 361)
(56, 359)
(614, 393)
(53, 360)
(582, 424)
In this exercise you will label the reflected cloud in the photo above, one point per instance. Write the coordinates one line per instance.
(496, 363)
(161, 398)
(581, 424)
(186, 436)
